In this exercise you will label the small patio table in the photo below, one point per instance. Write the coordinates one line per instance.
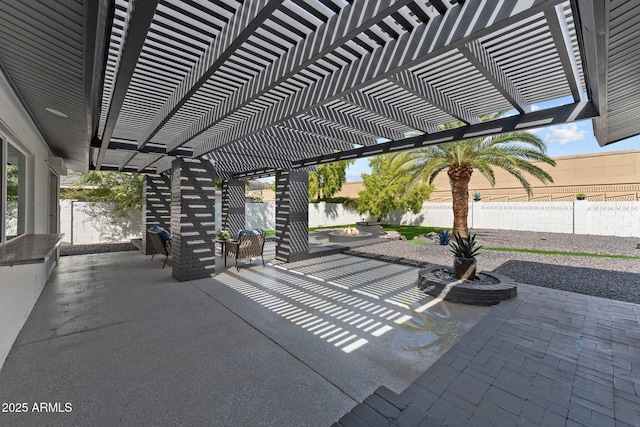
(223, 244)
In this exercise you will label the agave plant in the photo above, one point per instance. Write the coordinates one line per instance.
(444, 237)
(464, 247)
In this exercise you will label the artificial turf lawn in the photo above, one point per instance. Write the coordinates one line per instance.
(412, 231)
(541, 252)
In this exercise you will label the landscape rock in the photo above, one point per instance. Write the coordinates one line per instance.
(613, 278)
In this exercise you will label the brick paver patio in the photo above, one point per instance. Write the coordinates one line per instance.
(546, 358)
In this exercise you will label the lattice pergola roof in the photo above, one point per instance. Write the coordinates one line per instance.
(261, 85)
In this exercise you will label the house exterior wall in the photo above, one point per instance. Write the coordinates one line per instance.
(20, 286)
(17, 127)
(609, 176)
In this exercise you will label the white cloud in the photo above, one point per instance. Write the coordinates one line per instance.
(565, 134)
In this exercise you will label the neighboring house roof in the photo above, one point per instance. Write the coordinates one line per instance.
(267, 195)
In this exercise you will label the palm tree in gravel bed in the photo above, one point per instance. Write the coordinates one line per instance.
(512, 152)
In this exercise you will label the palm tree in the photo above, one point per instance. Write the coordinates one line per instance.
(510, 151)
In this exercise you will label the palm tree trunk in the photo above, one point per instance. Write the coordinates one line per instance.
(460, 177)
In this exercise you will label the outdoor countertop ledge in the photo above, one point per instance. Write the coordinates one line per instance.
(28, 249)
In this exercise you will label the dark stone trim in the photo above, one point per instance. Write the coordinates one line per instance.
(386, 408)
(466, 292)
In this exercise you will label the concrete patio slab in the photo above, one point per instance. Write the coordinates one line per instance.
(123, 343)
(356, 336)
(163, 354)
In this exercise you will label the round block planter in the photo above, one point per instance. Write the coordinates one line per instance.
(464, 268)
(346, 238)
(467, 292)
(374, 228)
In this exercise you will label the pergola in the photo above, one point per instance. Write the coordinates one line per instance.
(272, 87)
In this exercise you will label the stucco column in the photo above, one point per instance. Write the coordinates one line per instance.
(193, 219)
(292, 215)
(156, 207)
(233, 207)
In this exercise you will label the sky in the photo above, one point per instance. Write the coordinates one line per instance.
(562, 140)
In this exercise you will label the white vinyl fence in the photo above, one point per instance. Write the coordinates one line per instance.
(579, 217)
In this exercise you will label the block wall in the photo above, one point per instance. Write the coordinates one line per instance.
(607, 218)
(156, 207)
(554, 217)
(292, 215)
(233, 206)
(84, 223)
(193, 219)
(261, 215)
(325, 214)
(577, 217)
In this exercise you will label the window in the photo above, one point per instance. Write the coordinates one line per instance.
(13, 191)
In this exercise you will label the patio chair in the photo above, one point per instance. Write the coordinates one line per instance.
(248, 245)
(160, 246)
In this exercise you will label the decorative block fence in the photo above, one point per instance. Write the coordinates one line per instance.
(83, 223)
(577, 217)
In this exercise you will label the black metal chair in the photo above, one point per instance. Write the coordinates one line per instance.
(159, 246)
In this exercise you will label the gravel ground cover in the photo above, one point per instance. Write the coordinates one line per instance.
(611, 278)
(66, 250)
